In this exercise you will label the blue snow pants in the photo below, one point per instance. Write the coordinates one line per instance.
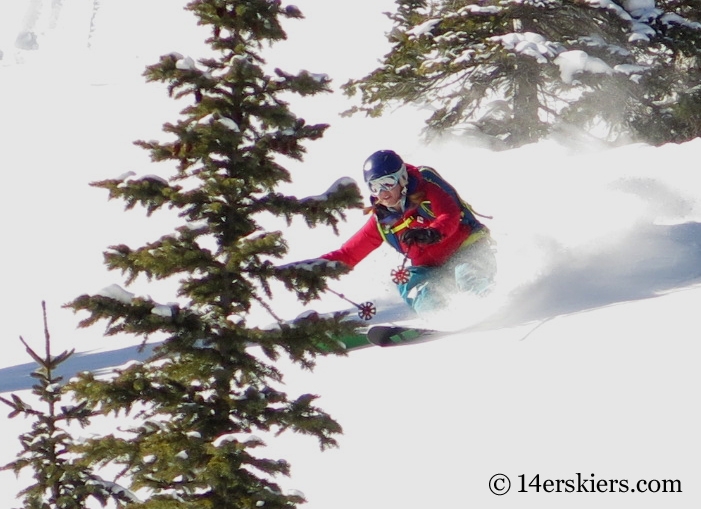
(471, 269)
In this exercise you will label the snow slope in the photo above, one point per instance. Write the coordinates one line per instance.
(586, 363)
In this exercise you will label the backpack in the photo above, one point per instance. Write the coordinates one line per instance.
(468, 215)
(467, 212)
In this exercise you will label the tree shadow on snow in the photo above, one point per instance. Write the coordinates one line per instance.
(644, 263)
(16, 378)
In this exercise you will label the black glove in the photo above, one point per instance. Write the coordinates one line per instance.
(421, 236)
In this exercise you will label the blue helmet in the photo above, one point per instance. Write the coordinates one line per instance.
(381, 164)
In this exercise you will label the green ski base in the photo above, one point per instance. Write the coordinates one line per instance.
(388, 335)
(355, 341)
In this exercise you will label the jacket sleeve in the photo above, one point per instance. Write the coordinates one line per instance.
(361, 244)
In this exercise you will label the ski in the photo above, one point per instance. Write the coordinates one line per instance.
(393, 335)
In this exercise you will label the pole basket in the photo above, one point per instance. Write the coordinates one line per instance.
(400, 275)
(367, 310)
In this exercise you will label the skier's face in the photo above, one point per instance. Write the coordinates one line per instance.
(391, 197)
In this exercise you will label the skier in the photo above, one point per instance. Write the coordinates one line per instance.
(449, 249)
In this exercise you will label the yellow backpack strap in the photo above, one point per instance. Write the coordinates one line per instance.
(401, 226)
(389, 235)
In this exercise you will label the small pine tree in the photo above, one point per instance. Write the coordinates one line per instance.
(61, 482)
(197, 401)
(501, 69)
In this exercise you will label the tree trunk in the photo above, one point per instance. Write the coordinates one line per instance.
(526, 124)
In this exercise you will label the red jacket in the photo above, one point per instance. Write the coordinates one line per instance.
(445, 217)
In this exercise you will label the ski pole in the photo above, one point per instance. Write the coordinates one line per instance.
(366, 310)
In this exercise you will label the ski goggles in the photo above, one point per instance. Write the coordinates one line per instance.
(385, 183)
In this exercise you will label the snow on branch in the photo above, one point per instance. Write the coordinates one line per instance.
(114, 489)
(185, 64)
(530, 44)
(670, 19)
(479, 9)
(119, 294)
(423, 28)
(338, 184)
(575, 62)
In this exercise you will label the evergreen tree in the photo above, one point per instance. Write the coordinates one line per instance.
(514, 70)
(206, 389)
(61, 482)
(667, 107)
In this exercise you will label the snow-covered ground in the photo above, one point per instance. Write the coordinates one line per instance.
(585, 370)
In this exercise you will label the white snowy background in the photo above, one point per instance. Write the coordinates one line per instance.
(587, 363)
